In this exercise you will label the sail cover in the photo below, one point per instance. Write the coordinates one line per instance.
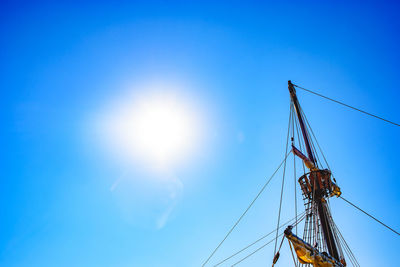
(308, 254)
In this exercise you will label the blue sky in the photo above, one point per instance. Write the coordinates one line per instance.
(67, 200)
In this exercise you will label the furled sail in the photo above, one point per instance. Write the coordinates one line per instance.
(308, 254)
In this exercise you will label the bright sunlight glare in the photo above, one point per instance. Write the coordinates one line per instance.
(157, 128)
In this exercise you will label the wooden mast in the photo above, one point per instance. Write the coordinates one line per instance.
(318, 198)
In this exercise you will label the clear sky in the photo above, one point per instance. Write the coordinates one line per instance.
(75, 193)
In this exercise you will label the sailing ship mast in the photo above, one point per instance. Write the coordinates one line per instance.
(322, 244)
(316, 187)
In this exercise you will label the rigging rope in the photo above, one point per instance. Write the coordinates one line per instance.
(283, 178)
(391, 229)
(350, 254)
(316, 140)
(291, 250)
(255, 251)
(261, 238)
(341, 103)
(294, 171)
(247, 209)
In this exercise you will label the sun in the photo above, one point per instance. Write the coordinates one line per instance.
(162, 128)
(157, 128)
